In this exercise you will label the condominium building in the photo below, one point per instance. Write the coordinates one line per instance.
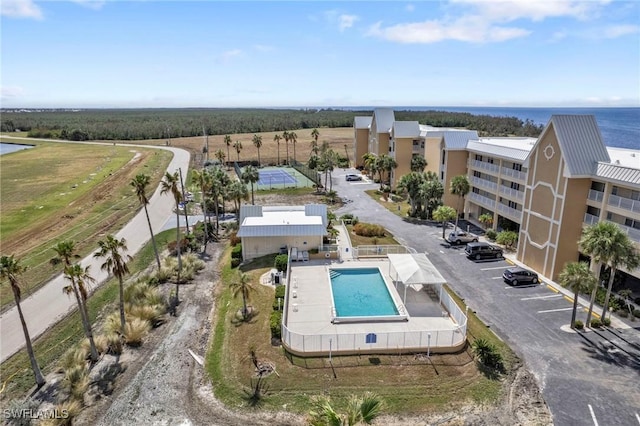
(547, 189)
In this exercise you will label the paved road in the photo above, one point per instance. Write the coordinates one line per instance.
(590, 378)
(47, 306)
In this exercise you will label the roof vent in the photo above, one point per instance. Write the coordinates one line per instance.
(633, 154)
(617, 161)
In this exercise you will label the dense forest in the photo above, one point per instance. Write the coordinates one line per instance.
(137, 124)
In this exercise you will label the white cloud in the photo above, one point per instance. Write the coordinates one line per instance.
(346, 21)
(263, 48)
(227, 56)
(535, 10)
(409, 8)
(91, 4)
(10, 92)
(620, 30)
(20, 9)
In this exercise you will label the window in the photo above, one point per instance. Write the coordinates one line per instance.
(478, 157)
(443, 157)
(632, 223)
(490, 160)
(441, 175)
(635, 195)
(614, 190)
(597, 186)
(477, 174)
(371, 338)
(476, 190)
(594, 211)
(513, 205)
(515, 186)
(517, 167)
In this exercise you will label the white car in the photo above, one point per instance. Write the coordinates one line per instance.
(352, 177)
(459, 237)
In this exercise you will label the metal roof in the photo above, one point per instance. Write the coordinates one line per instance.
(277, 221)
(580, 142)
(455, 139)
(406, 129)
(384, 118)
(498, 150)
(282, 230)
(618, 173)
(362, 122)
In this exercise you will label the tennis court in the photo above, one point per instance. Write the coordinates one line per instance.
(281, 177)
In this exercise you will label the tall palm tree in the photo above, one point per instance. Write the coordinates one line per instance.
(203, 179)
(418, 163)
(368, 160)
(10, 269)
(250, 175)
(431, 191)
(220, 156)
(277, 139)
(219, 181)
(65, 254)
(285, 136)
(410, 184)
(293, 138)
(169, 184)
(115, 262)
(364, 409)
(624, 254)
(460, 186)
(238, 147)
(79, 276)
(444, 214)
(386, 164)
(227, 141)
(237, 191)
(315, 134)
(140, 184)
(257, 142)
(577, 277)
(243, 285)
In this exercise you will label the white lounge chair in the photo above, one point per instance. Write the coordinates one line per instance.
(294, 254)
(305, 256)
(300, 257)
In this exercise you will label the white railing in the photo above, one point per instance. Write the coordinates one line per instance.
(590, 219)
(488, 202)
(624, 203)
(485, 183)
(379, 251)
(633, 233)
(514, 173)
(596, 195)
(510, 192)
(509, 211)
(485, 166)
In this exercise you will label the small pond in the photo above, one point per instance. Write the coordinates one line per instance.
(8, 148)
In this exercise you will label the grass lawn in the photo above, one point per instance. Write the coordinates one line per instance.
(390, 205)
(17, 375)
(408, 384)
(359, 240)
(59, 191)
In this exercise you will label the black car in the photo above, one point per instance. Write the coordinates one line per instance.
(517, 276)
(479, 251)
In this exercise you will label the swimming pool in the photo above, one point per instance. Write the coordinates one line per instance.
(361, 294)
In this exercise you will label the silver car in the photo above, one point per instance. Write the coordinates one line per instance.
(461, 237)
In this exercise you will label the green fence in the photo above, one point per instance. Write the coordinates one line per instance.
(311, 174)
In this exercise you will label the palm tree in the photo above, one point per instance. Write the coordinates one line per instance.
(293, 138)
(577, 277)
(10, 269)
(238, 146)
(364, 409)
(460, 186)
(203, 179)
(277, 139)
(250, 175)
(624, 254)
(113, 251)
(227, 141)
(139, 184)
(65, 253)
(418, 163)
(431, 191)
(220, 156)
(444, 214)
(257, 142)
(237, 191)
(410, 184)
(315, 134)
(80, 276)
(386, 164)
(486, 219)
(242, 285)
(219, 181)
(170, 185)
(285, 136)
(368, 160)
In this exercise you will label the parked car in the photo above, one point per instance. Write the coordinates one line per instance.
(517, 275)
(459, 237)
(352, 177)
(479, 251)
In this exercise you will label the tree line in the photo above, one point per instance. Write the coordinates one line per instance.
(139, 124)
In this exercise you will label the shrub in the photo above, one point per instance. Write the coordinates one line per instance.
(368, 230)
(66, 411)
(236, 252)
(75, 382)
(135, 330)
(579, 325)
(487, 354)
(280, 291)
(636, 313)
(596, 323)
(280, 263)
(154, 314)
(234, 240)
(172, 246)
(606, 322)
(491, 234)
(114, 343)
(112, 323)
(274, 323)
(637, 300)
(507, 238)
(73, 357)
(235, 263)
(622, 313)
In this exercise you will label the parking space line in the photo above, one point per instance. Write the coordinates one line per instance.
(569, 299)
(496, 278)
(509, 262)
(554, 310)
(491, 269)
(550, 296)
(638, 418)
(593, 415)
(552, 289)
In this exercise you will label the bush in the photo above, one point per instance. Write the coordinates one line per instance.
(507, 238)
(491, 235)
(135, 330)
(622, 313)
(280, 291)
(579, 325)
(280, 263)
(596, 323)
(234, 240)
(235, 263)
(488, 354)
(368, 230)
(636, 313)
(114, 343)
(236, 252)
(606, 322)
(275, 323)
(172, 246)
(76, 382)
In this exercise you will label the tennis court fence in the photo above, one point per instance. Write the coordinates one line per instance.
(311, 174)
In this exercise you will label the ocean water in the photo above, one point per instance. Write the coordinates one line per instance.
(620, 127)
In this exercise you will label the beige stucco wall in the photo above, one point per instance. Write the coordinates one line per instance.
(383, 144)
(361, 146)
(433, 154)
(403, 154)
(456, 164)
(253, 247)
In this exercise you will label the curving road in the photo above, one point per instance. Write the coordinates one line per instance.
(45, 307)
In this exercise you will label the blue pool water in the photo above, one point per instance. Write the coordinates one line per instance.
(361, 293)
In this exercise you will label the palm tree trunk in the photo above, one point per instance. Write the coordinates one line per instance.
(85, 322)
(252, 202)
(228, 157)
(278, 153)
(457, 217)
(593, 292)
(258, 157)
(186, 218)
(32, 357)
(605, 306)
(287, 144)
(575, 308)
(215, 209)
(121, 290)
(153, 238)
(244, 304)
(178, 251)
(92, 343)
(294, 152)
(444, 224)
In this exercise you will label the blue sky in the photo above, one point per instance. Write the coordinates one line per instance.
(89, 53)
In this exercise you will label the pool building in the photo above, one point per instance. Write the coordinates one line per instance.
(393, 304)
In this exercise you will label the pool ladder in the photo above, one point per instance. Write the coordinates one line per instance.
(333, 274)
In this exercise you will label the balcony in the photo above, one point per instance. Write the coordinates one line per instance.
(624, 203)
(484, 183)
(513, 193)
(596, 195)
(514, 173)
(482, 200)
(483, 165)
(505, 210)
(633, 233)
(590, 219)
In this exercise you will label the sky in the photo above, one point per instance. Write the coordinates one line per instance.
(145, 53)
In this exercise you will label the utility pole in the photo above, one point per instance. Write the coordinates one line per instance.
(186, 220)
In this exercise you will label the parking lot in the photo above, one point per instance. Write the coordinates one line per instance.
(586, 378)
